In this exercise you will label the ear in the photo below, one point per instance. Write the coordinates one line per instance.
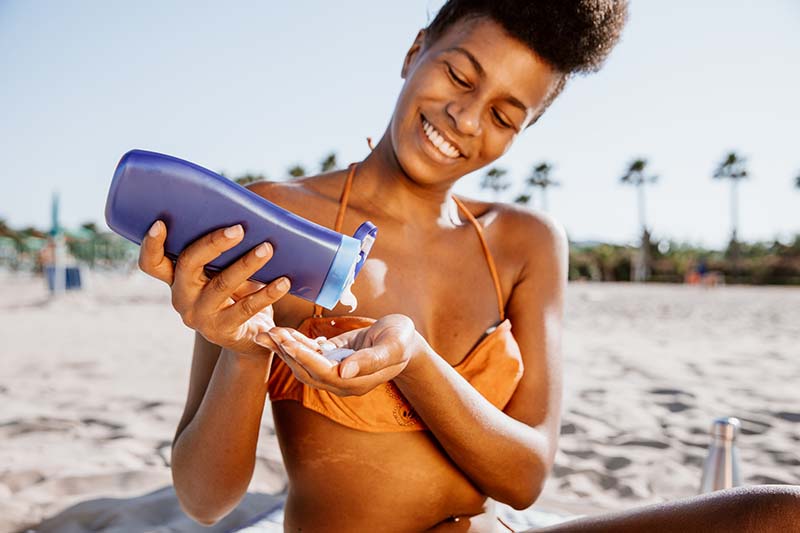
(413, 53)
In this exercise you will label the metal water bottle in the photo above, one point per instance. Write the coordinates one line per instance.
(721, 469)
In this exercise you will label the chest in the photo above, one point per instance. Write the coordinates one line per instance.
(443, 284)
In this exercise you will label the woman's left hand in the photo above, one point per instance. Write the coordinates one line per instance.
(382, 351)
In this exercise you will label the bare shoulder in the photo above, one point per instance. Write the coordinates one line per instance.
(534, 231)
(528, 239)
(300, 194)
(540, 247)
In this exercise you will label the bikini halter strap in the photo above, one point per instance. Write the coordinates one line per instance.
(489, 259)
(340, 214)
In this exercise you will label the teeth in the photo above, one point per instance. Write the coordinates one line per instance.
(438, 141)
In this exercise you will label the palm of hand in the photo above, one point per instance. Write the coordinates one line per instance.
(263, 320)
(382, 352)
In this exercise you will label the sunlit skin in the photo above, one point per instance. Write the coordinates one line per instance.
(428, 284)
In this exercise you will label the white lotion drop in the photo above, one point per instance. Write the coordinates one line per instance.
(348, 298)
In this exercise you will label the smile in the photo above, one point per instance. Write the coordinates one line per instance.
(437, 139)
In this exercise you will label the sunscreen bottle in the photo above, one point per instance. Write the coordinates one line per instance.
(193, 201)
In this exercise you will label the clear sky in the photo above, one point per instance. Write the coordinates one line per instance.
(258, 86)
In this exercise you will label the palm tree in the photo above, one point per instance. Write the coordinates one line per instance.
(494, 180)
(250, 178)
(523, 198)
(732, 167)
(297, 171)
(636, 176)
(328, 163)
(5, 230)
(541, 178)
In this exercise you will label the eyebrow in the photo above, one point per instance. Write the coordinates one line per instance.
(482, 73)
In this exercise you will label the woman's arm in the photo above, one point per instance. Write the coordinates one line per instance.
(507, 454)
(214, 450)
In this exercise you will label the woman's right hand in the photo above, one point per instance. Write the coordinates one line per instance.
(227, 309)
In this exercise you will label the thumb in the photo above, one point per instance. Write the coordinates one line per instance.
(365, 362)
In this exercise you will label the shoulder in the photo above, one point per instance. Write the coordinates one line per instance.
(303, 192)
(531, 240)
(527, 226)
(539, 241)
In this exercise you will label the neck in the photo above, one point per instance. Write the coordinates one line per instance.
(380, 178)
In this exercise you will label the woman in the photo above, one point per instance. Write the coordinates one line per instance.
(443, 408)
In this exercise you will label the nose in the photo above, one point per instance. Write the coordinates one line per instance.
(466, 115)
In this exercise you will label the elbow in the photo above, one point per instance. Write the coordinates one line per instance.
(523, 497)
(206, 521)
(204, 506)
(525, 487)
(205, 515)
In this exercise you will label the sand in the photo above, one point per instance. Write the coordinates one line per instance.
(92, 385)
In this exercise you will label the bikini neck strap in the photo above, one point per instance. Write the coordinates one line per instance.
(489, 259)
(344, 197)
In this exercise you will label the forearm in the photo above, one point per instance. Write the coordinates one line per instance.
(214, 456)
(505, 458)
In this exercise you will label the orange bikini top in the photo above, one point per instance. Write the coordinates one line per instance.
(494, 366)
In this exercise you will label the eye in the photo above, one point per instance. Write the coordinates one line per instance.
(504, 123)
(457, 79)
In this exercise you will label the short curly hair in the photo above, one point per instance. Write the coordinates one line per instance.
(573, 36)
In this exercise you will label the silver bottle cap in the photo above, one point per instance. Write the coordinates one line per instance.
(725, 428)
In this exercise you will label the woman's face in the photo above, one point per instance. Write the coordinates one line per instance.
(465, 99)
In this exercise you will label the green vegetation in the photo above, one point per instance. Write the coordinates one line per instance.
(760, 263)
(539, 179)
(666, 261)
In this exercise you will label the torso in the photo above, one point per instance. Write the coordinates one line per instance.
(347, 480)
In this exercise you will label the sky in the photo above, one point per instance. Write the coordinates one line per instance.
(259, 86)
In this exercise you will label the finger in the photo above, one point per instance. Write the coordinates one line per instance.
(247, 288)
(222, 286)
(349, 339)
(369, 361)
(299, 372)
(152, 260)
(243, 310)
(190, 263)
(361, 384)
(262, 339)
(312, 344)
(307, 356)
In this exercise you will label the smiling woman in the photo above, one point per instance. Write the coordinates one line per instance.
(450, 400)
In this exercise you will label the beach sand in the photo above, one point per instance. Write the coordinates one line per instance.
(92, 385)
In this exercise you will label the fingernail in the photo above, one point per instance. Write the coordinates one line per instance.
(233, 231)
(349, 369)
(282, 284)
(262, 338)
(155, 229)
(262, 250)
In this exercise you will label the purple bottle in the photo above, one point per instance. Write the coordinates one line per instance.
(193, 201)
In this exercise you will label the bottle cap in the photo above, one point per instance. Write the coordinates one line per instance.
(349, 258)
(339, 273)
(725, 428)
